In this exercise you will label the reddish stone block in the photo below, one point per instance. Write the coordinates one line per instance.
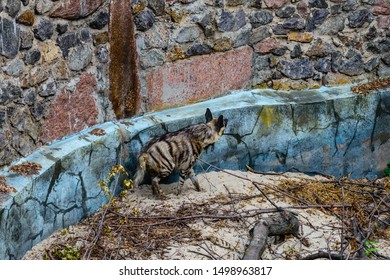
(383, 22)
(71, 111)
(75, 9)
(382, 8)
(266, 46)
(198, 78)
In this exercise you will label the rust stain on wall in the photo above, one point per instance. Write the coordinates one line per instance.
(124, 79)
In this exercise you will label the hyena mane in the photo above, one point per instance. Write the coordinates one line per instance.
(177, 151)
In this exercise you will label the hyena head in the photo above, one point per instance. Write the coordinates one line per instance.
(217, 127)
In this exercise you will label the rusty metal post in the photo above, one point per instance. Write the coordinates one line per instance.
(124, 79)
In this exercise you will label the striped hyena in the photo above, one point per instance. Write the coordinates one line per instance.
(178, 151)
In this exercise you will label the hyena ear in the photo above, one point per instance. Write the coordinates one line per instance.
(220, 122)
(208, 115)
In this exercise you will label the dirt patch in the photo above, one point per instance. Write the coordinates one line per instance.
(216, 222)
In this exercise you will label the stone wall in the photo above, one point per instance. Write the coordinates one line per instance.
(58, 56)
(332, 131)
(192, 49)
(53, 75)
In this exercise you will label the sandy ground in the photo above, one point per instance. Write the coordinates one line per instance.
(228, 238)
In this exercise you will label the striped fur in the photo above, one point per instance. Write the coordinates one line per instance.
(178, 151)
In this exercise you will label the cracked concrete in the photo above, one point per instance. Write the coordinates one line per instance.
(329, 130)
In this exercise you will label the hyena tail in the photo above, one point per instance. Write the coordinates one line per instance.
(141, 170)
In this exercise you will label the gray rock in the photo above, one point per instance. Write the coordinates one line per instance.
(67, 41)
(206, 23)
(371, 34)
(3, 117)
(332, 25)
(12, 7)
(28, 96)
(84, 35)
(79, 57)
(26, 39)
(158, 6)
(379, 46)
(296, 69)
(25, 2)
(144, 20)
(259, 34)
(198, 49)
(219, 3)
(285, 12)
(15, 68)
(353, 66)
(384, 71)
(323, 65)
(260, 18)
(262, 62)
(187, 34)
(32, 56)
(351, 5)
(256, 4)
(100, 20)
(278, 29)
(336, 58)
(294, 23)
(319, 48)
(43, 6)
(38, 110)
(157, 37)
(386, 59)
(319, 16)
(9, 92)
(102, 54)
(318, 4)
(151, 58)
(359, 18)
(48, 88)
(18, 118)
(226, 21)
(240, 20)
(9, 38)
(280, 51)
(372, 64)
(296, 51)
(234, 2)
(276, 75)
(61, 28)
(262, 76)
(44, 30)
(335, 9)
(242, 37)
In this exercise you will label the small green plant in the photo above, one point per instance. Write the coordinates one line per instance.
(66, 252)
(105, 184)
(386, 171)
(370, 247)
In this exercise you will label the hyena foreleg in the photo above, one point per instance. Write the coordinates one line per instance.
(183, 176)
(194, 180)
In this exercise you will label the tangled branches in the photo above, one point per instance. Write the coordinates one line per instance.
(136, 226)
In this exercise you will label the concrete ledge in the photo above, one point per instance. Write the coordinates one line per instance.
(329, 130)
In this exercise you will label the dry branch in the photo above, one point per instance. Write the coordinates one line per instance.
(283, 223)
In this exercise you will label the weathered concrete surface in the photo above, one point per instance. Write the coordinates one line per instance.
(329, 130)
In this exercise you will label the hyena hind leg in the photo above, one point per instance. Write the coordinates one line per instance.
(181, 183)
(156, 187)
